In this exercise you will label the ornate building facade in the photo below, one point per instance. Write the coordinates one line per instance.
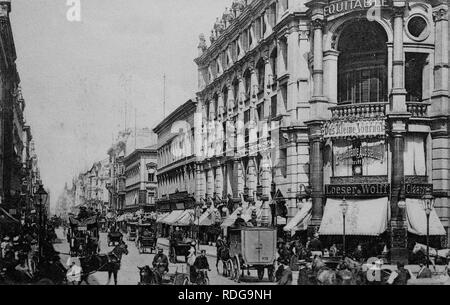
(348, 99)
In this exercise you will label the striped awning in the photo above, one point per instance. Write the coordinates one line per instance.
(161, 217)
(301, 220)
(417, 219)
(364, 217)
(172, 217)
(246, 214)
(186, 219)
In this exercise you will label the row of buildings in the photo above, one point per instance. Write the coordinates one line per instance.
(19, 170)
(330, 100)
(124, 182)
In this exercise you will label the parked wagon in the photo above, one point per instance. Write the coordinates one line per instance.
(83, 236)
(146, 238)
(252, 248)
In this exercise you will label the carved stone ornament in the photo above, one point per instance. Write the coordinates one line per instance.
(303, 34)
(440, 15)
(317, 24)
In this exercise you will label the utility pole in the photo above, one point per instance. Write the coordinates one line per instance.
(164, 95)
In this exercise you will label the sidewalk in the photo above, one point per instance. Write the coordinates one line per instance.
(210, 250)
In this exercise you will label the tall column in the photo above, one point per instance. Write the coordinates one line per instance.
(292, 177)
(219, 181)
(398, 118)
(293, 66)
(330, 75)
(398, 93)
(440, 116)
(210, 182)
(316, 173)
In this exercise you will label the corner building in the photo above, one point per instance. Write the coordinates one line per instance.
(348, 99)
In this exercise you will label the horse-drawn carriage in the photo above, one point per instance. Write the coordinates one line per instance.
(132, 230)
(179, 248)
(151, 276)
(114, 238)
(146, 238)
(83, 236)
(251, 248)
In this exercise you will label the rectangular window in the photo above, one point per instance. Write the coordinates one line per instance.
(414, 65)
(273, 106)
(151, 177)
(284, 96)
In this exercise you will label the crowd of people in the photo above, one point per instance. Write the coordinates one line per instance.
(20, 261)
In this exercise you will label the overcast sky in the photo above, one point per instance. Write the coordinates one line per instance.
(77, 76)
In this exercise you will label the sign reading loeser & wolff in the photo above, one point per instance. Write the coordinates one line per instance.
(342, 129)
(357, 190)
(344, 6)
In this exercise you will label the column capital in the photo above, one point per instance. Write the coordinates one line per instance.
(318, 24)
(398, 11)
(440, 14)
(303, 34)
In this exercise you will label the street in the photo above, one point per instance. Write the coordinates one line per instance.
(129, 273)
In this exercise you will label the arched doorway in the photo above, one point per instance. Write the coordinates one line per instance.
(362, 63)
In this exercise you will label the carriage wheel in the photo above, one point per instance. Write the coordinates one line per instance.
(230, 268)
(260, 273)
(221, 267)
(270, 272)
(237, 270)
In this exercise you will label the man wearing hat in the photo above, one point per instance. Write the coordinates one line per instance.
(315, 244)
(239, 222)
(6, 245)
(286, 275)
(161, 262)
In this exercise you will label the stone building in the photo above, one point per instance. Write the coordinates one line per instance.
(141, 183)
(347, 99)
(176, 160)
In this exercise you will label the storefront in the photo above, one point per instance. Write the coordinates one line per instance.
(372, 133)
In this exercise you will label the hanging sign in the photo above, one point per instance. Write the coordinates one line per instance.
(342, 129)
(372, 152)
(417, 190)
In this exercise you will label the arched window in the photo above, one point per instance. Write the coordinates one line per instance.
(247, 84)
(260, 68)
(362, 64)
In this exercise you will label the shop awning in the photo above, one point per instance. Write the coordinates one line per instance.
(364, 217)
(186, 219)
(161, 217)
(172, 217)
(246, 214)
(9, 216)
(301, 220)
(417, 219)
(208, 218)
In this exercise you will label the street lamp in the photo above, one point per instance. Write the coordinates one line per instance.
(428, 204)
(344, 209)
(41, 195)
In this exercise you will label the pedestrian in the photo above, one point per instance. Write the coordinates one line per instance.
(74, 273)
(191, 261)
(333, 250)
(400, 276)
(424, 272)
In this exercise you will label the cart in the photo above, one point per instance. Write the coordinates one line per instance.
(132, 230)
(146, 238)
(83, 236)
(252, 248)
(114, 238)
(179, 248)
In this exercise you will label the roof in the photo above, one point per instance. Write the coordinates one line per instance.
(190, 104)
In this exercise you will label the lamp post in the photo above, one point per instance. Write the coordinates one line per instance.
(344, 209)
(41, 195)
(428, 204)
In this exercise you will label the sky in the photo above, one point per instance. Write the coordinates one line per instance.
(77, 77)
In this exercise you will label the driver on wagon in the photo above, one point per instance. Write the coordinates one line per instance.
(161, 262)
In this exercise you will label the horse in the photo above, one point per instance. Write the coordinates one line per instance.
(109, 262)
(435, 255)
(149, 276)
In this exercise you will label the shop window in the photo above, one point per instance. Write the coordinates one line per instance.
(362, 73)
(414, 65)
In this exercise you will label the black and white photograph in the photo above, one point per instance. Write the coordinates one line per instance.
(235, 144)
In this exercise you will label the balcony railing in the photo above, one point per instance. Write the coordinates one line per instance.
(417, 109)
(362, 110)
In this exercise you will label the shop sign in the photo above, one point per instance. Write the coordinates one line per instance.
(372, 152)
(342, 129)
(357, 190)
(345, 6)
(417, 190)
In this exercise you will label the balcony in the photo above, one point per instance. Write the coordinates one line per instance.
(417, 109)
(362, 110)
